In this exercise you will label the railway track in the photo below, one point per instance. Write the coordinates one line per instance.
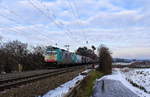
(18, 81)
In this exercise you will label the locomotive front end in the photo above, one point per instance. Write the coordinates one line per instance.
(51, 56)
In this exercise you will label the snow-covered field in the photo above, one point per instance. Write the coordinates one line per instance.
(62, 90)
(121, 63)
(121, 76)
(139, 77)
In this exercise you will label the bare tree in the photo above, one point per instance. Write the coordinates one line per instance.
(94, 48)
(15, 52)
(105, 60)
(39, 50)
(84, 51)
(1, 40)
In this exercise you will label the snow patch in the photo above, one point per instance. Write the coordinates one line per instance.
(122, 63)
(62, 90)
(86, 71)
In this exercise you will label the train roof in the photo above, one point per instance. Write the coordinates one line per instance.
(52, 47)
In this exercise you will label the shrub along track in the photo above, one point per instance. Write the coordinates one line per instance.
(25, 79)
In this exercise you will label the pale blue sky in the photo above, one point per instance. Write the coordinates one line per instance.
(122, 25)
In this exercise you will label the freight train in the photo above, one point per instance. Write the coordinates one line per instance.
(57, 57)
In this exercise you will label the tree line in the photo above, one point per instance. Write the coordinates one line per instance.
(84, 51)
(103, 57)
(15, 54)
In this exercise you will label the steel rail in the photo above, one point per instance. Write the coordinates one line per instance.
(10, 83)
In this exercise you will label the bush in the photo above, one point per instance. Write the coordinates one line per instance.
(105, 60)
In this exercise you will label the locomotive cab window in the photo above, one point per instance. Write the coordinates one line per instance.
(51, 53)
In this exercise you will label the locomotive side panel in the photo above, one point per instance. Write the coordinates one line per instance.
(67, 58)
(83, 59)
(74, 58)
(79, 59)
(62, 57)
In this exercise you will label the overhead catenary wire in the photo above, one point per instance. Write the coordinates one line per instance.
(16, 22)
(12, 12)
(10, 19)
(54, 16)
(66, 27)
(15, 14)
(37, 8)
(19, 23)
(59, 24)
(75, 13)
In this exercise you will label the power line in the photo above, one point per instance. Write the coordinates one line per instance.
(58, 24)
(12, 12)
(16, 22)
(55, 18)
(76, 14)
(67, 30)
(73, 13)
(13, 20)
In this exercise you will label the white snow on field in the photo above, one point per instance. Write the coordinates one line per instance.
(121, 63)
(62, 90)
(141, 77)
(117, 75)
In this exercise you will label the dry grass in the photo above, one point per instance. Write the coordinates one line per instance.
(86, 87)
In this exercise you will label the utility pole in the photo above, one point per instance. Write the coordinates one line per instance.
(87, 42)
(67, 47)
(56, 44)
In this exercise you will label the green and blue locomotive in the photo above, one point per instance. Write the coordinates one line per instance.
(59, 57)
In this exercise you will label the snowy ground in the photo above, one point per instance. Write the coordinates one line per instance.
(62, 90)
(121, 76)
(121, 63)
(140, 77)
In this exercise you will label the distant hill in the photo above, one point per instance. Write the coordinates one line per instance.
(130, 60)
